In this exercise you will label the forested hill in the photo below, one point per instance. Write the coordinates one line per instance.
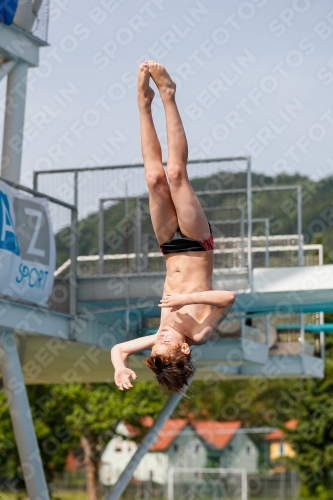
(279, 206)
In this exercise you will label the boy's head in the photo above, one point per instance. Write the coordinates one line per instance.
(170, 360)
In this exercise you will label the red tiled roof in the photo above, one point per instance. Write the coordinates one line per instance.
(132, 430)
(147, 421)
(168, 433)
(135, 431)
(278, 434)
(216, 433)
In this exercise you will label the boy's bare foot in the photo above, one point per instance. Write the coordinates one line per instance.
(145, 92)
(161, 77)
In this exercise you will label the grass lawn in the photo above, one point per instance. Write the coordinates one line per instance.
(62, 495)
(72, 495)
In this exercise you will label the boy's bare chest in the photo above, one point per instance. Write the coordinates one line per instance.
(187, 320)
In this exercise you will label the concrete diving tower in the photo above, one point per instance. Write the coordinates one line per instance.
(69, 339)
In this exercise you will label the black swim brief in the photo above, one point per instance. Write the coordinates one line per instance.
(181, 243)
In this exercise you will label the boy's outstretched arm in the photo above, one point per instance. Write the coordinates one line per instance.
(119, 354)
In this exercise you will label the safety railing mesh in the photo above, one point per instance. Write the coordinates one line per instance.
(153, 261)
(120, 188)
(200, 484)
(32, 16)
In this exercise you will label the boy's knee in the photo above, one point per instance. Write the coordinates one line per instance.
(155, 180)
(176, 175)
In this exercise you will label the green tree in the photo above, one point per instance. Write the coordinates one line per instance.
(96, 410)
(9, 460)
(54, 440)
(253, 401)
(310, 401)
(66, 416)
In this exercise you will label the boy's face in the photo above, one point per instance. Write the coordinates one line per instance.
(168, 338)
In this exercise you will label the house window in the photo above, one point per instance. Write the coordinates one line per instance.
(281, 449)
(196, 448)
(117, 447)
(230, 449)
(151, 475)
(176, 447)
(248, 449)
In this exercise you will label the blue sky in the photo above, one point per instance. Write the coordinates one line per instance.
(254, 77)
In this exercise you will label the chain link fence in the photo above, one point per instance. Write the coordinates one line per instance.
(115, 234)
(32, 16)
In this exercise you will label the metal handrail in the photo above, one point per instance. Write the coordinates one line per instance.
(34, 192)
(136, 165)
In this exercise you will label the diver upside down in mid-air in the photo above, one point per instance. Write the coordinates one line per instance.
(190, 309)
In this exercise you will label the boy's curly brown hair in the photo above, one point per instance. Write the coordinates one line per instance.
(172, 370)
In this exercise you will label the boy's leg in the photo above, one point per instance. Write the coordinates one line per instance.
(162, 210)
(191, 217)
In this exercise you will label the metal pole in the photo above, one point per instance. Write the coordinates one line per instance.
(127, 230)
(35, 181)
(267, 243)
(208, 192)
(242, 236)
(101, 237)
(267, 329)
(321, 314)
(243, 328)
(137, 165)
(6, 67)
(37, 193)
(145, 245)
(293, 484)
(127, 312)
(322, 338)
(320, 255)
(299, 226)
(170, 483)
(22, 420)
(148, 440)
(14, 122)
(76, 190)
(138, 236)
(74, 252)
(302, 332)
(244, 484)
(283, 485)
(249, 223)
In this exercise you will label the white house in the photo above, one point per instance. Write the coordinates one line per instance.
(181, 443)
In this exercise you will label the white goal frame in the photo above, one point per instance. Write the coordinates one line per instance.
(241, 472)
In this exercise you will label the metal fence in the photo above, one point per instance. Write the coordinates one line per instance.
(113, 210)
(32, 16)
(200, 482)
(115, 234)
(279, 485)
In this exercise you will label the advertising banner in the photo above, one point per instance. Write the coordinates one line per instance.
(27, 246)
(7, 11)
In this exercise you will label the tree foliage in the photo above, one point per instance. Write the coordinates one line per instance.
(66, 416)
(310, 401)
